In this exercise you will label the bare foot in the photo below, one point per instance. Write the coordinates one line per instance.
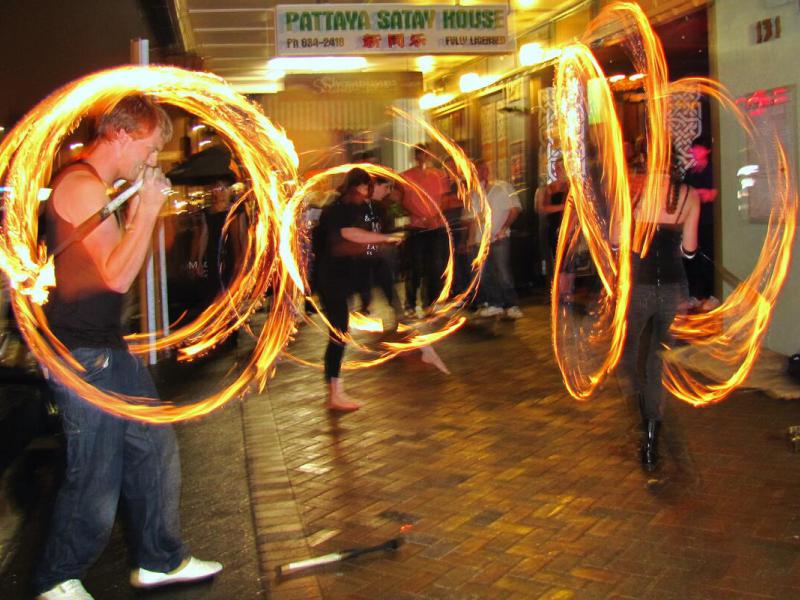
(342, 406)
(430, 357)
(338, 400)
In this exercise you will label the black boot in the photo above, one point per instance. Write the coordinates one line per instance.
(650, 444)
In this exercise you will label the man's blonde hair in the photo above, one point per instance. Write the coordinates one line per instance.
(136, 114)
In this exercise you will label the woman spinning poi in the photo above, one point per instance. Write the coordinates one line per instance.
(343, 242)
(659, 289)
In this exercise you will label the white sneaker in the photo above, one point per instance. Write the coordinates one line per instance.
(72, 589)
(490, 311)
(191, 569)
(513, 313)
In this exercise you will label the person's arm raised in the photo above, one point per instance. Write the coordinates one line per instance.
(118, 256)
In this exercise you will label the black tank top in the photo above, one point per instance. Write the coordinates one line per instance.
(663, 263)
(82, 311)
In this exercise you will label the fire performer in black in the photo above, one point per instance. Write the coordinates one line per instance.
(659, 288)
(344, 239)
(108, 456)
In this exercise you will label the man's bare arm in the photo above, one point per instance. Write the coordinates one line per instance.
(118, 256)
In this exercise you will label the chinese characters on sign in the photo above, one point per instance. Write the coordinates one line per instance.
(341, 29)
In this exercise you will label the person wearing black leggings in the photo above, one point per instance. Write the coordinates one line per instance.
(345, 235)
(659, 287)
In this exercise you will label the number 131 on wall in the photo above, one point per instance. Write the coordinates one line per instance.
(768, 30)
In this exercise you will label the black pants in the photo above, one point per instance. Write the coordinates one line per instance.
(656, 304)
(378, 270)
(333, 296)
(427, 252)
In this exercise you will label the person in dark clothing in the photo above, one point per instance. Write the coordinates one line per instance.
(224, 248)
(427, 240)
(701, 272)
(550, 202)
(344, 237)
(109, 456)
(378, 262)
(659, 288)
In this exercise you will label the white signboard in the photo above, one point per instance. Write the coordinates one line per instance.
(364, 29)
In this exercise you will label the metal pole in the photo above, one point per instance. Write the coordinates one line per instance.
(140, 54)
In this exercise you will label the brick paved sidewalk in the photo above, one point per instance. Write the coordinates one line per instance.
(515, 490)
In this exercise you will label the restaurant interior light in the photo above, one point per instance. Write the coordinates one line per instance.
(531, 54)
(636, 76)
(534, 53)
(425, 63)
(76, 146)
(274, 74)
(469, 82)
(615, 78)
(198, 127)
(318, 63)
(431, 100)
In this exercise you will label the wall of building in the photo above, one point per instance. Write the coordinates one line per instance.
(746, 66)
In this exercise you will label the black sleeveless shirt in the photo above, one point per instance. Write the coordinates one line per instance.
(663, 263)
(82, 311)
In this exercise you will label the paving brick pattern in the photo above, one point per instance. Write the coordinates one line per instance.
(515, 490)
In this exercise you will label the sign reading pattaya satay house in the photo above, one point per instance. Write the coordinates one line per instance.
(364, 29)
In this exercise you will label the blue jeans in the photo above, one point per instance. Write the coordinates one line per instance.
(497, 288)
(657, 304)
(108, 456)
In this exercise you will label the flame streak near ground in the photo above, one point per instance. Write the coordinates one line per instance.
(270, 257)
(733, 332)
(587, 351)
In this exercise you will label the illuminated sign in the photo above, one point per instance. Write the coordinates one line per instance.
(759, 101)
(357, 85)
(364, 29)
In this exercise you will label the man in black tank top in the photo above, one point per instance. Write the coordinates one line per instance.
(107, 455)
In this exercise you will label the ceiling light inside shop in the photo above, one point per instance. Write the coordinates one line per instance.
(425, 63)
(637, 76)
(534, 53)
(470, 82)
(431, 100)
(317, 63)
(531, 54)
(616, 78)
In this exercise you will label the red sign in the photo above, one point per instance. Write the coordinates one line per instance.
(757, 102)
